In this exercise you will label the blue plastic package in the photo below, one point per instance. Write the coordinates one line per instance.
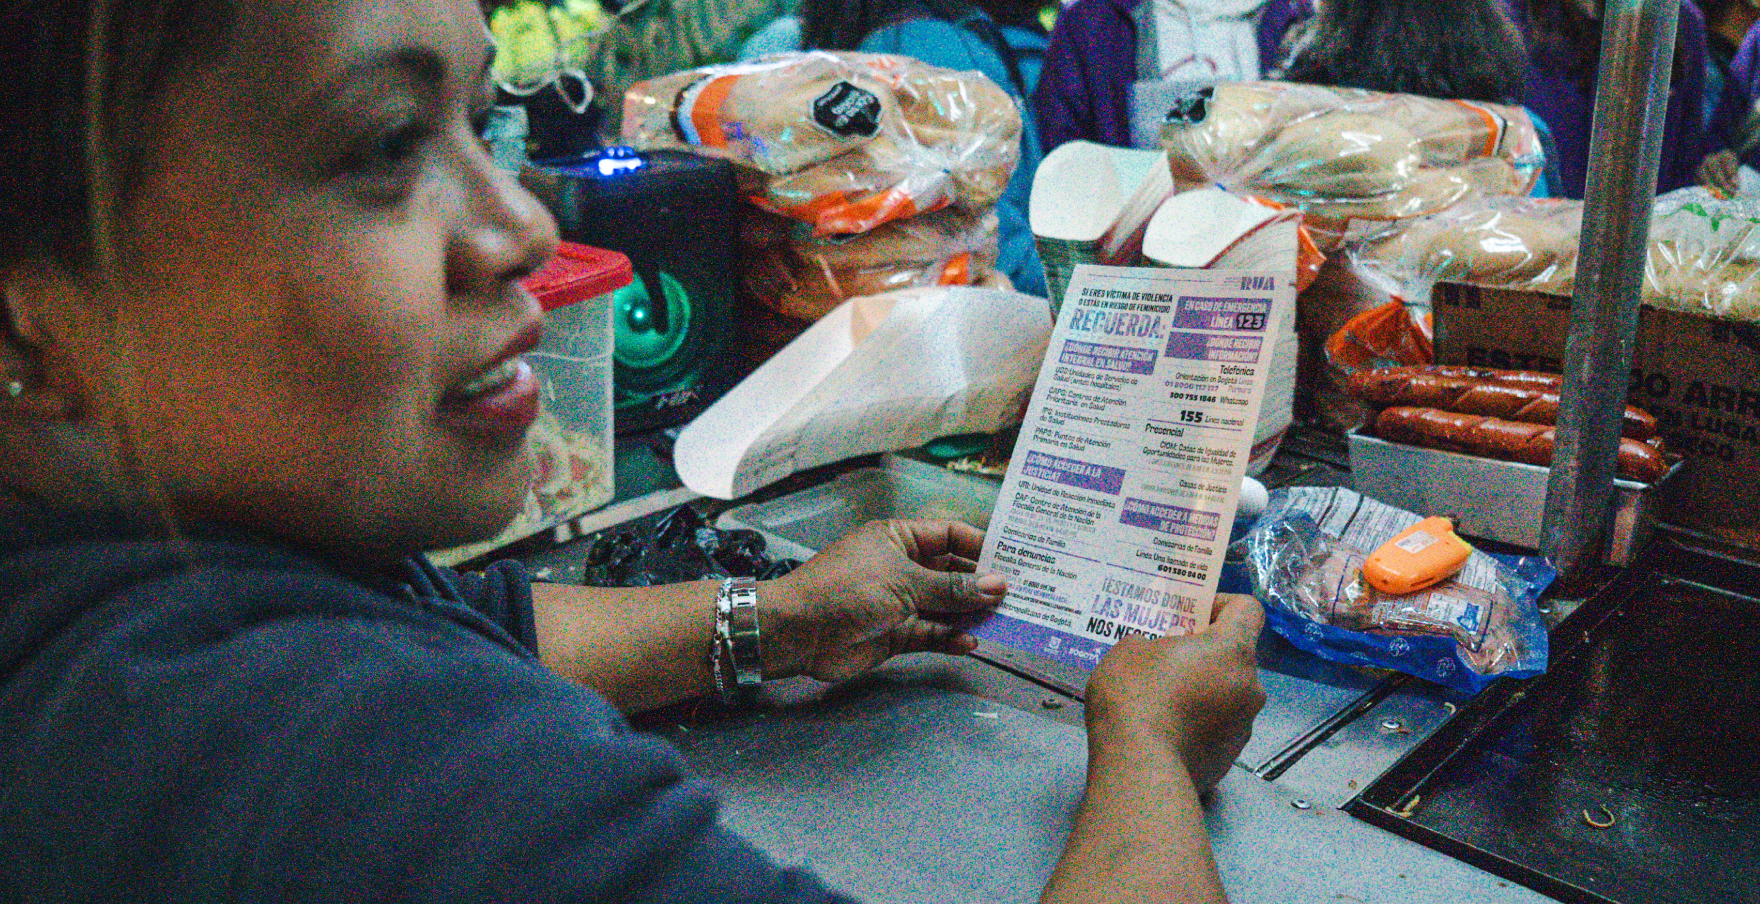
(1304, 559)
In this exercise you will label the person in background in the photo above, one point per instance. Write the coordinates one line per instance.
(1000, 38)
(1564, 55)
(1093, 57)
(262, 342)
(1466, 50)
(1470, 50)
(1730, 86)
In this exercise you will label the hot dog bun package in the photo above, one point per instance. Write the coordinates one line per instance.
(1306, 558)
(800, 274)
(1355, 163)
(844, 142)
(1704, 255)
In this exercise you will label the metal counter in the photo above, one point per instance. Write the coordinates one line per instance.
(954, 780)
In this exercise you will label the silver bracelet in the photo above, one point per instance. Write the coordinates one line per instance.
(738, 643)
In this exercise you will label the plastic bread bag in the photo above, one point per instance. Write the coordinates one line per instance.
(841, 141)
(1350, 160)
(1494, 242)
(1705, 255)
(802, 275)
(1306, 558)
(1392, 335)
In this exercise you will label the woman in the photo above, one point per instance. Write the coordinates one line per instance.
(1564, 56)
(1094, 56)
(1730, 82)
(1460, 51)
(1000, 38)
(262, 346)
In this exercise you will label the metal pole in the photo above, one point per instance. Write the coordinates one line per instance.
(1631, 104)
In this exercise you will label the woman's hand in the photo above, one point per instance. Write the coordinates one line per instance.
(889, 587)
(1198, 693)
(1721, 172)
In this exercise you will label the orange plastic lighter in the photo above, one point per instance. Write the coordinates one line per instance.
(1421, 555)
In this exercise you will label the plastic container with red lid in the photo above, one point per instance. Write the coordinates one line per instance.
(571, 442)
(578, 273)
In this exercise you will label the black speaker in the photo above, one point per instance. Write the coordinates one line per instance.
(676, 216)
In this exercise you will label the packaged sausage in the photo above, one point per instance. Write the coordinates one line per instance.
(1306, 558)
(1515, 395)
(1489, 437)
(841, 141)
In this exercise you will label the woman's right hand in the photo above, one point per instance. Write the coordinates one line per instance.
(1197, 694)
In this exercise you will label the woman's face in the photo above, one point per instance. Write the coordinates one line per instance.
(319, 310)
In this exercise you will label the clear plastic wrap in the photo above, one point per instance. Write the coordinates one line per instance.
(1306, 558)
(1517, 243)
(1704, 255)
(1352, 161)
(802, 275)
(1392, 335)
(842, 141)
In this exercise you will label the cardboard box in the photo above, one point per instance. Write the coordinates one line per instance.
(1699, 376)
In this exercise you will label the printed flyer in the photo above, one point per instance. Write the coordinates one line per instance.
(1115, 514)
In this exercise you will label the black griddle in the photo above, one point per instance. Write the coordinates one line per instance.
(1630, 772)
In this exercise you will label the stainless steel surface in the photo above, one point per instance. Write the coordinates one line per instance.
(1302, 694)
(1631, 99)
(1490, 499)
(953, 780)
(906, 788)
(1346, 761)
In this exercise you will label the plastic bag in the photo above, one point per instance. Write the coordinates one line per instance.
(1704, 254)
(801, 275)
(842, 141)
(1351, 160)
(1516, 243)
(1306, 558)
(1392, 335)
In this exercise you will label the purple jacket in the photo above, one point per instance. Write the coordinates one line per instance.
(1741, 88)
(1565, 106)
(1092, 61)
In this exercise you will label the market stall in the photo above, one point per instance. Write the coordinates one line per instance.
(956, 780)
(1328, 425)
(779, 315)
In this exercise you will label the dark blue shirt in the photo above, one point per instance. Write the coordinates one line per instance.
(222, 719)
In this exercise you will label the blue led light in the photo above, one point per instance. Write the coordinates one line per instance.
(612, 161)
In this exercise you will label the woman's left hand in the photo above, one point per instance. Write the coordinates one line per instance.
(888, 588)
